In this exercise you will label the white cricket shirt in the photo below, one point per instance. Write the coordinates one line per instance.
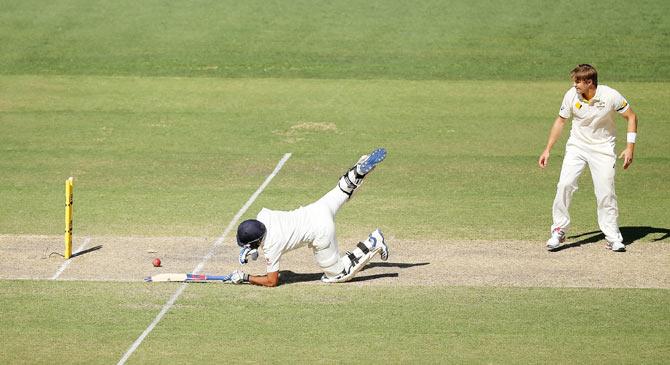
(593, 120)
(286, 231)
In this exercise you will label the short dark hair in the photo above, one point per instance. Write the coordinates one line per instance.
(584, 72)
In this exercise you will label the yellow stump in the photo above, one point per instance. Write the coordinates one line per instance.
(69, 185)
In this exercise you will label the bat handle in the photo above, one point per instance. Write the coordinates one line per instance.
(219, 277)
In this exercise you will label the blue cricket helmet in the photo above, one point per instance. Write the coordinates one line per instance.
(250, 232)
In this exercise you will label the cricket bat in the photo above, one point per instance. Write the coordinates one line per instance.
(187, 278)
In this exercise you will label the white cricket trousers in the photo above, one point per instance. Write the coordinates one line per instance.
(326, 251)
(601, 160)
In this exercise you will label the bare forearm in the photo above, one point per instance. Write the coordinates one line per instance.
(632, 123)
(629, 152)
(631, 118)
(555, 133)
(270, 280)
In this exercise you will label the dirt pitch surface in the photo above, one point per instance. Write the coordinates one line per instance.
(444, 263)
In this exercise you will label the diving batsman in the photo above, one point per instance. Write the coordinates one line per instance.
(275, 233)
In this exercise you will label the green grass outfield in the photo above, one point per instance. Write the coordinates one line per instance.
(171, 114)
(179, 156)
(352, 39)
(213, 324)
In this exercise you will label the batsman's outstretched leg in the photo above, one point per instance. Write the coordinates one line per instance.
(353, 178)
(354, 261)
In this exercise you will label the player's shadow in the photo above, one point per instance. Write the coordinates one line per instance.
(290, 277)
(630, 236)
(400, 265)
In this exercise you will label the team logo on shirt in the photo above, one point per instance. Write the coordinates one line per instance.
(623, 105)
(578, 105)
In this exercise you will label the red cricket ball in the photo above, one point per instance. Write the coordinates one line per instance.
(157, 262)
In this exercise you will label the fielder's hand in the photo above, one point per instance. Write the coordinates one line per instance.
(627, 157)
(544, 159)
(239, 277)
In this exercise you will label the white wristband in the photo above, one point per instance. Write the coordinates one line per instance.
(630, 137)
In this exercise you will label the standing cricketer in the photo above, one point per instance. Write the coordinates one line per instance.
(277, 232)
(592, 108)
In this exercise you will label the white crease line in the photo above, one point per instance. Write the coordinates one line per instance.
(206, 258)
(239, 214)
(67, 262)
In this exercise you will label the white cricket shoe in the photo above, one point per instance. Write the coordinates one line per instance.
(379, 244)
(368, 162)
(336, 279)
(616, 246)
(557, 237)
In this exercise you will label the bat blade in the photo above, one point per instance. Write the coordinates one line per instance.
(166, 277)
(186, 278)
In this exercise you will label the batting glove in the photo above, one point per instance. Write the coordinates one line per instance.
(245, 252)
(239, 277)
